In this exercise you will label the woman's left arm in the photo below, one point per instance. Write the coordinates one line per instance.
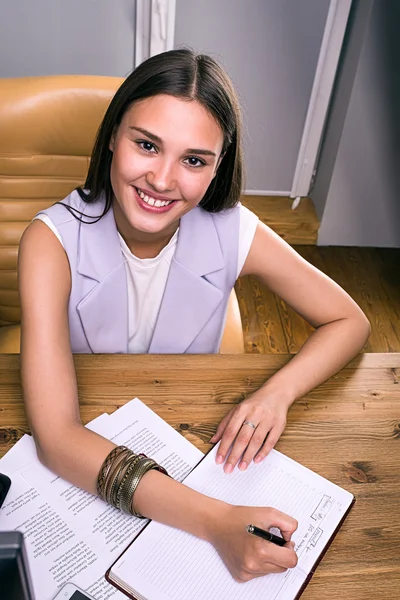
(341, 331)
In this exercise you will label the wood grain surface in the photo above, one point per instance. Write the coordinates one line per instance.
(370, 275)
(347, 429)
(299, 226)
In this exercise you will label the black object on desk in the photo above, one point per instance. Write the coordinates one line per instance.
(5, 483)
(15, 581)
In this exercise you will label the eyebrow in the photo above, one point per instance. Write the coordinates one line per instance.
(158, 140)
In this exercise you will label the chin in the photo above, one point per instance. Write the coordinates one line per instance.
(154, 226)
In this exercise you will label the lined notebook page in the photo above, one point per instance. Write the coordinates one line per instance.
(168, 564)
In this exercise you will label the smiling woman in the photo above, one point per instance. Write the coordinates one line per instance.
(143, 259)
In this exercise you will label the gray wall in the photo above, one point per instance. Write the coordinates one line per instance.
(49, 37)
(270, 48)
(359, 202)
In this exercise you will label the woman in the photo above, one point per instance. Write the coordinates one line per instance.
(143, 259)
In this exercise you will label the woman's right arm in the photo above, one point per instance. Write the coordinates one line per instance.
(76, 453)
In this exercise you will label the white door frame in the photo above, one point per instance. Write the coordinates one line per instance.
(155, 28)
(325, 73)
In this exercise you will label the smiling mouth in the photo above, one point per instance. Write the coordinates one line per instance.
(152, 201)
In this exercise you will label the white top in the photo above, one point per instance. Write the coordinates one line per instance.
(147, 278)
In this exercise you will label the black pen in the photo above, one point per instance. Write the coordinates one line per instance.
(266, 535)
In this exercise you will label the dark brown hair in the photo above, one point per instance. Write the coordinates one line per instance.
(184, 74)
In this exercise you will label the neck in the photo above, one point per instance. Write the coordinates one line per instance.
(142, 244)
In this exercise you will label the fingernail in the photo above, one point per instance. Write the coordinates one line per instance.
(258, 459)
(212, 439)
(220, 459)
(228, 468)
(243, 465)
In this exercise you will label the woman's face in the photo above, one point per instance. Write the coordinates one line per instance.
(165, 154)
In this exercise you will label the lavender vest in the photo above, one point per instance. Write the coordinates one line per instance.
(193, 308)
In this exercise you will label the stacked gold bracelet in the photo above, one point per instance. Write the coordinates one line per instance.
(120, 475)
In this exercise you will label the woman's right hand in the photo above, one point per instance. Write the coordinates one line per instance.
(245, 555)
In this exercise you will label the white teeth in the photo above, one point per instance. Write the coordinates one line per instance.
(149, 200)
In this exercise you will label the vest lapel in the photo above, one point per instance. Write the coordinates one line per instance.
(189, 298)
(103, 309)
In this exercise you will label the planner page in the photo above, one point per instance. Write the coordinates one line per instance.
(167, 564)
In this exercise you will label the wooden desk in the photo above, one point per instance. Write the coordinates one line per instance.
(348, 430)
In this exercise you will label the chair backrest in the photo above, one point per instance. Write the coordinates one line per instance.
(47, 129)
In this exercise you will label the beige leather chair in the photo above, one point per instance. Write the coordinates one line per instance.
(47, 129)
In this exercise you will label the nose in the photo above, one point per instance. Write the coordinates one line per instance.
(162, 177)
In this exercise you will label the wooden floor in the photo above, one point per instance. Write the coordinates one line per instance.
(370, 275)
(298, 226)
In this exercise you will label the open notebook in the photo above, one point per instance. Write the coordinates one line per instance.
(164, 563)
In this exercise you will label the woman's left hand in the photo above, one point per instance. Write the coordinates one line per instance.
(253, 427)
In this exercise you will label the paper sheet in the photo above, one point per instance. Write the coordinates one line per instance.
(71, 535)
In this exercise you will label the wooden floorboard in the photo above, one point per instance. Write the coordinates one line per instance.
(299, 226)
(370, 275)
(263, 331)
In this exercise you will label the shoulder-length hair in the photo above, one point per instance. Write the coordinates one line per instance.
(184, 74)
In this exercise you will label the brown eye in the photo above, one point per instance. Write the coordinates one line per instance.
(146, 146)
(193, 161)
